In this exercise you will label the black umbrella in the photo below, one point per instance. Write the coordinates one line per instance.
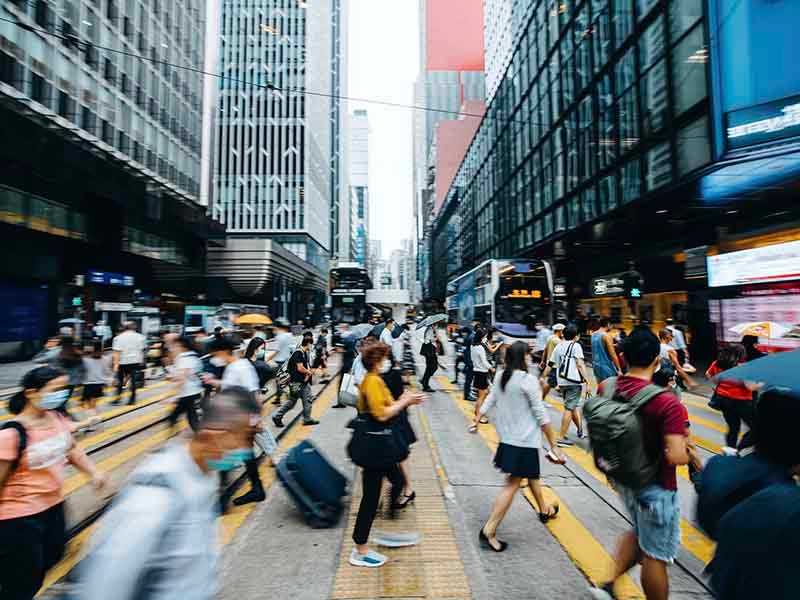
(781, 369)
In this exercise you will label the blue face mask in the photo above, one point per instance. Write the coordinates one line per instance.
(53, 400)
(230, 460)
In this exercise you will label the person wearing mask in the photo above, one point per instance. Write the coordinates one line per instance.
(751, 351)
(520, 419)
(376, 399)
(480, 370)
(733, 398)
(321, 355)
(69, 359)
(678, 341)
(185, 377)
(35, 448)
(387, 337)
(255, 353)
(282, 353)
(568, 363)
(299, 385)
(669, 356)
(654, 509)
(428, 351)
(550, 382)
(605, 362)
(160, 538)
(239, 373)
(128, 358)
(97, 374)
(750, 505)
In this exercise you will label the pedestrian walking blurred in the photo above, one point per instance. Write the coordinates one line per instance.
(605, 362)
(734, 399)
(35, 448)
(300, 375)
(751, 351)
(69, 359)
(678, 341)
(520, 420)
(320, 363)
(459, 348)
(282, 353)
(97, 374)
(480, 370)
(240, 373)
(543, 334)
(128, 359)
(662, 442)
(187, 387)
(750, 506)
(550, 382)
(669, 358)
(568, 363)
(428, 352)
(375, 400)
(160, 539)
(468, 369)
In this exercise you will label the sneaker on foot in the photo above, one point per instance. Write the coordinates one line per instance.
(278, 422)
(603, 593)
(581, 433)
(565, 443)
(370, 559)
(396, 540)
(728, 451)
(311, 422)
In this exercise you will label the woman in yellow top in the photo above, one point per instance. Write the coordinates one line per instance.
(376, 399)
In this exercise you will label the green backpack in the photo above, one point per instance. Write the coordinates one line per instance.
(617, 437)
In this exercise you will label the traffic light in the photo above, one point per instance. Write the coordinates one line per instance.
(633, 285)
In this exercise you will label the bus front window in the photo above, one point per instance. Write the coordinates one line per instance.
(522, 300)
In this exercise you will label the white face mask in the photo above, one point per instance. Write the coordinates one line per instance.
(386, 366)
(216, 361)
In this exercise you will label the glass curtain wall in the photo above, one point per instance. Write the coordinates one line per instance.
(598, 100)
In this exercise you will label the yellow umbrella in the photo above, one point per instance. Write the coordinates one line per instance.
(254, 319)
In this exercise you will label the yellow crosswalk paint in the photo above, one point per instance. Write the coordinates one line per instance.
(582, 547)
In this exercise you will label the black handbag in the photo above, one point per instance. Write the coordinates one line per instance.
(376, 445)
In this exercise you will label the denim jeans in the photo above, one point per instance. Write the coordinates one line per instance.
(656, 515)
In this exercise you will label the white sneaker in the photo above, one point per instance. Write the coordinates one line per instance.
(396, 540)
(728, 451)
(370, 559)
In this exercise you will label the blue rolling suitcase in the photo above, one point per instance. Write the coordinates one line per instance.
(314, 484)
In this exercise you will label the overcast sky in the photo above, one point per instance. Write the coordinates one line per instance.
(383, 57)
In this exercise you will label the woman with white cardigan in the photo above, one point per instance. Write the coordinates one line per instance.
(520, 420)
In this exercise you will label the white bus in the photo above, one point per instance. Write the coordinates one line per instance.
(511, 294)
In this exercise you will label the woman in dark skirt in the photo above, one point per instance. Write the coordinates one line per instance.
(520, 420)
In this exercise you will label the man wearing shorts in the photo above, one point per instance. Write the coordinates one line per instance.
(655, 508)
(567, 361)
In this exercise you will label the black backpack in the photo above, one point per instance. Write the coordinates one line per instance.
(23, 441)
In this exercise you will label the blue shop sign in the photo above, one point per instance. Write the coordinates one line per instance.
(106, 278)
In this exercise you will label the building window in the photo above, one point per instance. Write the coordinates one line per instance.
(689, 70)
(654, 90)
(693, 146)
(608, 194)
(658, 167)
(630, 175)
(683, 15)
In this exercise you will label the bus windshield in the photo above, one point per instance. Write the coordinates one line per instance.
(522, 300)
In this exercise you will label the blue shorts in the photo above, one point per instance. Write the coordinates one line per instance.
(656, 516)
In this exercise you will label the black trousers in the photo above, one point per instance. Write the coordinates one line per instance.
(29, 547)
(430, 369)
(130, 372)
(467, 381)
(371, 495)
(189, 405)
(734, 412)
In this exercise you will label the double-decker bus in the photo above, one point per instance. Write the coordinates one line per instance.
(511, 294)
(348, 285)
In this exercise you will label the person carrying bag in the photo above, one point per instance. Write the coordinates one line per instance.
(377, 446)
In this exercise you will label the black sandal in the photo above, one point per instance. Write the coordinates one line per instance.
(400, 504)
(545, 517)
(486, 544)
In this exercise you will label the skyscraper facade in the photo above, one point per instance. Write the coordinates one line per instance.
(359, 186)
(279, 155)
(103, 102)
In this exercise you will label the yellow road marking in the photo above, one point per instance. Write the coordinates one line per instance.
(109, 433)
(582, 547)
(236, 515)
(76, 547)
(107, 400)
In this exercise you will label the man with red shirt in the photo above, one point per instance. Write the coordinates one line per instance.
(655, 508)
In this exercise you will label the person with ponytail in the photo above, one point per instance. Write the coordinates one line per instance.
(520, 420)
(34, 450)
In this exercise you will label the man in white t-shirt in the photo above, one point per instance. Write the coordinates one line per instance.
(185, 375)
(283, 346)
(568, 360)
(128, 358)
